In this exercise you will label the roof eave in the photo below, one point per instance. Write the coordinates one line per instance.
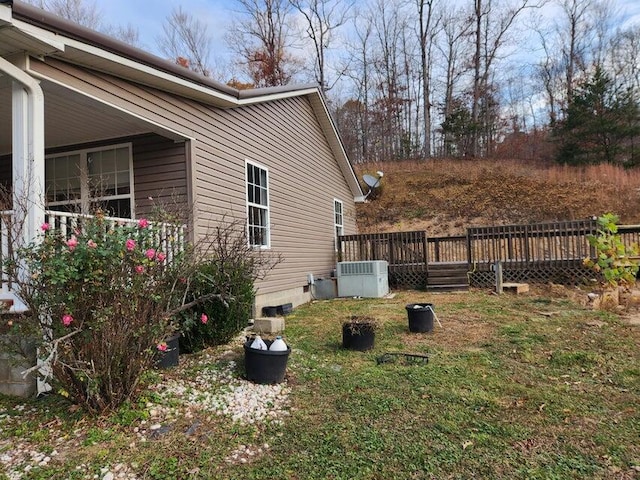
(92, 49)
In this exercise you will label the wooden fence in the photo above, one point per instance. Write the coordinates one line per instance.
(447, 249)
(543, 252)
(524, 245)
(406, 253)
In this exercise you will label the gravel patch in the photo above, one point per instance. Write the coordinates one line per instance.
(202, 385)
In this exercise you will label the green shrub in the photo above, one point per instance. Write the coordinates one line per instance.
(615, 261)
(229, 270)
(222, 319)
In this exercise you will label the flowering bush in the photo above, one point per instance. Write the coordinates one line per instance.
(104, 297)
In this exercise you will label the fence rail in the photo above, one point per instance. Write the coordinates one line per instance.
(401, 248)
(447, 249)
(551, 251)
(529, 245)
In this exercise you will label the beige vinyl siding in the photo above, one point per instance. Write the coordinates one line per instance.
(159, 172)
(284, 136)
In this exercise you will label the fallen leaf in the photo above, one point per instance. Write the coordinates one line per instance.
(466, 444)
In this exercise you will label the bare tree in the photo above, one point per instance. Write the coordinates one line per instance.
(605, 16)
(322, 20)
(578, 39)
(82, 12)
(578, 27)
(354, 112)
(127, 33)
(262, 34)
(429, 22)
(549, 71)
(625, 57)
(493, 22)
(87, 14)
(453, 45)
(186, 41)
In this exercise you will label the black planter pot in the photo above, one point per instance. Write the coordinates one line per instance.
(420, 317)
(358, 336)
(169, 358)
(265, 366)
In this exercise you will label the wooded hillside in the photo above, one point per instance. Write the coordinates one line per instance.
(446, 196)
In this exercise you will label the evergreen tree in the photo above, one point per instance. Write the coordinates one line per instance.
(602, 123)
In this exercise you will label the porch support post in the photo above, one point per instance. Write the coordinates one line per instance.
(27, 151)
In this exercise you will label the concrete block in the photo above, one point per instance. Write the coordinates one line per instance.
(268, 325)
(515, 287)
(14, 359)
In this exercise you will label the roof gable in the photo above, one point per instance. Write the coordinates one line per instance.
(44, 34)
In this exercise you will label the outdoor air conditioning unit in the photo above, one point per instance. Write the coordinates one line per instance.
(363, 279)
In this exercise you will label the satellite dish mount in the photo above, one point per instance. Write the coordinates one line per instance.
(372, 182)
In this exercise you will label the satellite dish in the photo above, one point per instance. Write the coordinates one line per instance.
(372, 182)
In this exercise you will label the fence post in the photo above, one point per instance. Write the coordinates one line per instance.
(498, 269)
(469, 256)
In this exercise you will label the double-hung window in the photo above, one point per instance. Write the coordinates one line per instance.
(85, 180)
(257, 205)
(338, 217)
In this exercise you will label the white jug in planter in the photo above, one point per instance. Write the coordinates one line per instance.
(278, 345)
(259, 344)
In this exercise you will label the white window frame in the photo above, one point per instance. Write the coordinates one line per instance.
(265, 208)
(85, 199)
(337, 225)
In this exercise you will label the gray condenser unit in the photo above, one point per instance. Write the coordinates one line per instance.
(363, 279)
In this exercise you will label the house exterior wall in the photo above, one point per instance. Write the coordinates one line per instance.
(159, 170)
(160, 175)
(282, 136)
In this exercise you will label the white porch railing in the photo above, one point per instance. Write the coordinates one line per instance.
(169, 238)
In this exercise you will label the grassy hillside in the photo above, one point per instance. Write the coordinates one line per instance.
(446, 196)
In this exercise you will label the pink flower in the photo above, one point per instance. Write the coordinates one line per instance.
(139, 269)
(150, 253)
(162, 346)
(204, 319)
(161, 256)
(67, 319)
(92, 244)
(72, 243)
(143, 223)
(45, 227)
(130, 244)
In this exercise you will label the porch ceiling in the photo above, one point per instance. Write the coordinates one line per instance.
(70, 118)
